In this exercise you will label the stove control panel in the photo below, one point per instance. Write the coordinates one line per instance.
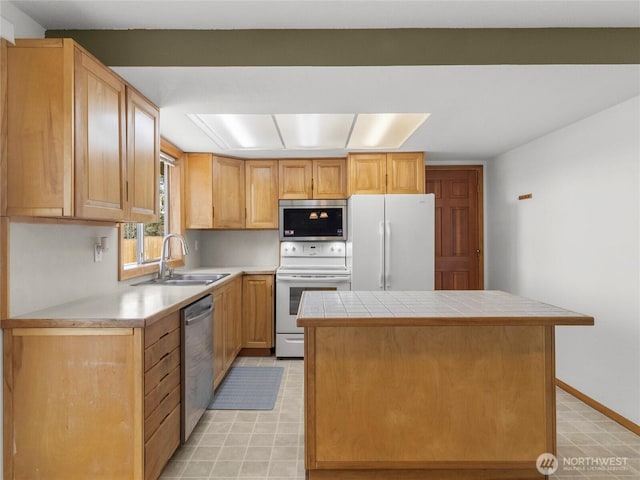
(312, 249)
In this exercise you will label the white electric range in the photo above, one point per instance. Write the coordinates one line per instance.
(305, 266)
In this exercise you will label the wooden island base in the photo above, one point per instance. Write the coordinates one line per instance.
(416, 398)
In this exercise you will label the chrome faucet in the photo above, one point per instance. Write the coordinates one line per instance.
(164, 254)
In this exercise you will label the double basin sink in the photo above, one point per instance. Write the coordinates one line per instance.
(186, 279)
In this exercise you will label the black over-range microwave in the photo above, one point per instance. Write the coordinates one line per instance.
(313, 220)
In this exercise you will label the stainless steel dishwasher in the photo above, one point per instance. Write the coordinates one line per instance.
(197, 362)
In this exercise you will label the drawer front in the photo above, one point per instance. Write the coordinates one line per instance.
(162, 327)
(154, 419)
(161, 369)
(164, 388)
(159, 448)
(155, 352)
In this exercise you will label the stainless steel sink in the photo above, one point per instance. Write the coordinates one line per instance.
(186, 279)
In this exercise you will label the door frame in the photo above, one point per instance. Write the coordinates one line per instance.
(479, 169)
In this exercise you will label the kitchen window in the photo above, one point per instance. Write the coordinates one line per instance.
(141, 243)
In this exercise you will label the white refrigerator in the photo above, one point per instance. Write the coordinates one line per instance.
(390, 242)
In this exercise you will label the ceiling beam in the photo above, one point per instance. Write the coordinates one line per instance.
(360, 47)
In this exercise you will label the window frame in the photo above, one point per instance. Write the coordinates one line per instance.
(175, 223)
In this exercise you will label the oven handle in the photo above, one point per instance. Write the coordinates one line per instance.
(309, 278)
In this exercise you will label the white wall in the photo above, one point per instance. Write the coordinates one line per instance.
(18, 24)
(228, 248)
(576, 244)
(53, 264)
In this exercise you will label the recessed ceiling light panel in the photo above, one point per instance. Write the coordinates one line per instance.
(314, 130)
(240, 132)
(309, 131)
(384, 130)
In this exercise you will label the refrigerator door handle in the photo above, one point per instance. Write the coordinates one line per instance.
(381, 242)
(387, 255)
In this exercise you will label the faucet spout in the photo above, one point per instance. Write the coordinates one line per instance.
(164, 252)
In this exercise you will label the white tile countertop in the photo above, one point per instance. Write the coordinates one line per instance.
(129, 306)
(413, 308)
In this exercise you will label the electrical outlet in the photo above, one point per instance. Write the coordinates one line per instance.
(97, 253)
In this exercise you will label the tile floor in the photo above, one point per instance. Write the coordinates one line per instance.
(263, 445)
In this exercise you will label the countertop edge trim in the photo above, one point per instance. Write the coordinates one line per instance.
(443, 321)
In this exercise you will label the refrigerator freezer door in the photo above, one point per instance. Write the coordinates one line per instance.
(410, 242)
(365, 244)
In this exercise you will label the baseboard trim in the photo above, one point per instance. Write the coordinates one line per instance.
(255, 352)
(616, 417)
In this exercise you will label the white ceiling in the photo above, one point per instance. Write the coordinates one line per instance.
(235, 14)
(477, 112)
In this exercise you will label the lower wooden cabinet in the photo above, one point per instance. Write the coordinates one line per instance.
(73, 403)
(227, 327)
(91, 402)
(257, 311)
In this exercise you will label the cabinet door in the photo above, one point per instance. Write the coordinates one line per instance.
(39, 115)
(100, 139)
(228, 193)
(405, 172)
(233, 322)
(257, 315)
(261, 185)
(295, 179)
(219, 320)
(198, 191)
(367, 173)
(143, 158)
(76, 398)
(330, 178)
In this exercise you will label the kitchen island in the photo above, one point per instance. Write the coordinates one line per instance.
(429, 385)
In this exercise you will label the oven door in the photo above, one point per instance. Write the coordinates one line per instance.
(289, 288)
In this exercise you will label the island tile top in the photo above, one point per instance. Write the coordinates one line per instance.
(330, 308)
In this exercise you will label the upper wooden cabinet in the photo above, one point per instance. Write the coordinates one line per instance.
(228, 193)
(405, 172)
(100, 140)
(67, 140)
(379, 173)
(312, 178)
(261, 187)
(214, 192)
(143, 140)
(330, 178)
(198, 190)
(367, 173)
(295, 179)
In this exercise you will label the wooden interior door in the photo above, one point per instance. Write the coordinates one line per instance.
(458, 248)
